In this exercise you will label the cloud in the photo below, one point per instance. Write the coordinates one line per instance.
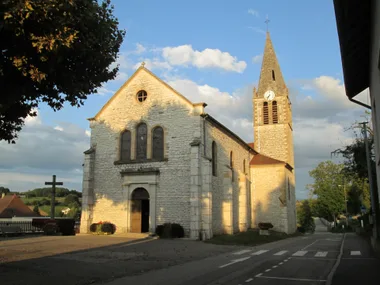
(257, 58)
(257, 30)
(155, 63)
(253, 12)
(185, 55)
(104, 91)
(140, 48)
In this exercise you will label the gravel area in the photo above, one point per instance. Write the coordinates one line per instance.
(88, 259)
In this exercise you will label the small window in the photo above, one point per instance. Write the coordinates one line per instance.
(141, 141)
(273, 76)
(142, 95)
(125, 148)
(265, 113)
(244, 170)
(232, 167)
(214, 159)
(288, 189)
(274, 112)
(158, 143)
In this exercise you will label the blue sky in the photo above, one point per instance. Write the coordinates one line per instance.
(209, 51)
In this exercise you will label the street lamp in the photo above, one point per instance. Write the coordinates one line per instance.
(345, 200)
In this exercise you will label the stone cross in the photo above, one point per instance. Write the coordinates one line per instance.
(267, 22)
(52, 206)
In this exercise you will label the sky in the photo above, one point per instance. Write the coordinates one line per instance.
(209, 51)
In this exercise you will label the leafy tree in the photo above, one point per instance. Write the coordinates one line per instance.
(4, 190)
(72, 200)
(330, 196)
(53, 51)
(305, 217)
(36, 210)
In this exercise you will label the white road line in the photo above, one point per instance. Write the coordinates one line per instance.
(242, 251)
(321, 254)
(281, 263)
(292, 279)
(235, 261)
(332, 272)
(300, 253)
(260, 252)
(248, 280)
(281, 252)
(274, 266)
(356, 252)
(258, 275)
(310, 244)
(268, 270)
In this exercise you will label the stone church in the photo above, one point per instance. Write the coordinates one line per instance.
(156, 157)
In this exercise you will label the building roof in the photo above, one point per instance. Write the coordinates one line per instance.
(353, 19)
(13, 206)
(261, 159)
(252, 145)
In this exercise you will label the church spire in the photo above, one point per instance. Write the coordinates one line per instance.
(270, 76)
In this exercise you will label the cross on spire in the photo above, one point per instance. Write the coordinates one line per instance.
(267, 22)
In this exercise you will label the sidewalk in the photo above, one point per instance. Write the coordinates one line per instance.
(359, 267)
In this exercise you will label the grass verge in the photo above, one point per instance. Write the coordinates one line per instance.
(251, 237)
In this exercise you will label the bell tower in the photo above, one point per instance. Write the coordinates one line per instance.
(273, 130)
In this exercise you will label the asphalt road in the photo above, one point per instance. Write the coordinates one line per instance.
(321, 258)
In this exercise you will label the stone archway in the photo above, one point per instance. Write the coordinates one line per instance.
(140, 211)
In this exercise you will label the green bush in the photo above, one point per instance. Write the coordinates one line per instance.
(170, 230)
(108, 228)
(93, 228)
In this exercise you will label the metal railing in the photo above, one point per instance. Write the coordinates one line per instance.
(25, 226)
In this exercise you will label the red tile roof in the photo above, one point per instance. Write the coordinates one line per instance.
(261, 159)
(13, 206)
(252, 145)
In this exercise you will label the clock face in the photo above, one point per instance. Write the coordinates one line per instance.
(269, 95)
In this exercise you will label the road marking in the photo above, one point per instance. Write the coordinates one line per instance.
(235, 261)
(281, 263)
(248, 280)
(356, 252)
(310, 244)
(332, 272)
(300, 253)
(242, 251)
(258, 275)
(321, 254)
(268, 270)
(260, 252)
(281, 252)
(274, 266)
(292, 279)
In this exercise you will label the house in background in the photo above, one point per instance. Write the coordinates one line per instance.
(12, 206)
(358, 24)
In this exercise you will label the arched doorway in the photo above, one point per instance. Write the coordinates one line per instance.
(140, 211)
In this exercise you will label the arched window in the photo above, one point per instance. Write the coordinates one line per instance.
(214, 158)
(158, 143)
(232, 166)
(265, 113)
(244, 170)
(141, 141)
(125, 146)
(274, 112)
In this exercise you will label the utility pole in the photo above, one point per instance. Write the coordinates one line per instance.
(374, 194)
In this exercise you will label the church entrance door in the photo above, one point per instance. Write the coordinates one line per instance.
(140, 211)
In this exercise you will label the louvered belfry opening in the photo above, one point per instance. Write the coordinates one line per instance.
(274, 112)
(265, 113)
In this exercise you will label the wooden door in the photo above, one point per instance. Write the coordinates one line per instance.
(136, 216)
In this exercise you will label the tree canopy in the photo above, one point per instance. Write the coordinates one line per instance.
(53, 51)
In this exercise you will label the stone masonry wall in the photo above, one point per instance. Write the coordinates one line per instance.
(162, 107)
(228, 199)
(269, 185)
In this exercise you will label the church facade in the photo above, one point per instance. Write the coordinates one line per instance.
(156, 157)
